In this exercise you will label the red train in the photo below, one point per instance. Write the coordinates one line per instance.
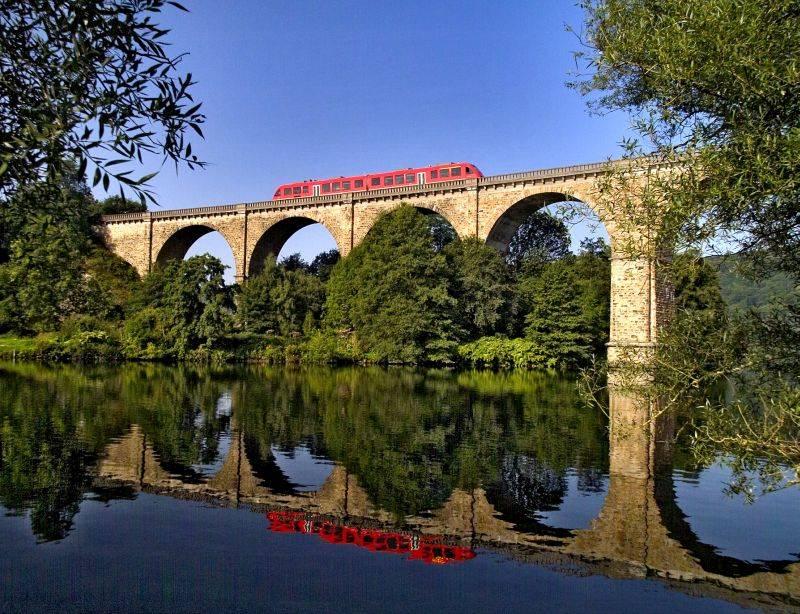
(426, 548)
(377, 181)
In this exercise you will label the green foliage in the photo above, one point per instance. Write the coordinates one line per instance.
(392, 291)
(257, 311)
(43, 280)
(744, 289)
(53, 270)
(281, 299)
(181, 307)
(91, 81)
(298, 298)
(323, 264)
(118, 204)
(593, 272)
(718, 81)
(114, 280)
(324, 347)
(714, 86)
(503, 353)
(482, 287)
(540, 238)
(555, 321)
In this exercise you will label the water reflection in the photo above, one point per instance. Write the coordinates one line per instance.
(434, 466)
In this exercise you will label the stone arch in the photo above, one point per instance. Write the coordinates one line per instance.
(441, 212)
(178, 243)
(508, 221)
(275, 236)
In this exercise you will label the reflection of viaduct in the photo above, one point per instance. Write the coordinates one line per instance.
(490, 208)
(639, 533)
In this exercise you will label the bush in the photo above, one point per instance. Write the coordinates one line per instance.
(504, 353)
(328, 348)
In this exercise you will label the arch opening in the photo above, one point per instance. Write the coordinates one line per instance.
(294, 235)
(442, 230)
(509, 223)
(196, 240)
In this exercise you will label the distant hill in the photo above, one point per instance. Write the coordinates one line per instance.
(741, 293)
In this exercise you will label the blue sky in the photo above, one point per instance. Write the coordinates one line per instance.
(300, 89)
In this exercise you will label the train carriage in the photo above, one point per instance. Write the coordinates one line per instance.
(378, 181)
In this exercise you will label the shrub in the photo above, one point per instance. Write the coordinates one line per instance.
(504, 353)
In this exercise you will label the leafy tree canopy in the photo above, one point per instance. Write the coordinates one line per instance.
(717, 83)
(393, 292)
(540, 238)
(90, 80)
(181, 307)
(482, 286)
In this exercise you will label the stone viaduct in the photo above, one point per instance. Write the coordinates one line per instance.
(490, 208)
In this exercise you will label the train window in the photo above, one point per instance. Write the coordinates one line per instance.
(345, 185)
(410, 178)
(398, 179)
(296, 190)
(434, 174)
(388, 181)
(287, 191)
(336, 186)
(469, 170)
(277, 193)
(305, 189)
(375, 181)
(326, 187)
(445, 172)
(359, 183)
(455, 172)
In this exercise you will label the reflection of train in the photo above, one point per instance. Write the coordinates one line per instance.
(426, 548)
(377, 181)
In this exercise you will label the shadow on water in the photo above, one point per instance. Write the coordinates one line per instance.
(434, 466)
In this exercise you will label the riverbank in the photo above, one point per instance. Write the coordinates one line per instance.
(318, 348)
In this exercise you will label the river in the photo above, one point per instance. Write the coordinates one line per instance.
(146, 487)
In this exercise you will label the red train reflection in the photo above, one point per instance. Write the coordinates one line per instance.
(426, 548)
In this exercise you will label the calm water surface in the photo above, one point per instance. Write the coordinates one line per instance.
(156, 488)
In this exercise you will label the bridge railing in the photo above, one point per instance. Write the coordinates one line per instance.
(562, 171)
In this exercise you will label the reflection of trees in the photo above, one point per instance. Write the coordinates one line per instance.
(56, 422)
(177, 410)
(410, 437)
(46, 448)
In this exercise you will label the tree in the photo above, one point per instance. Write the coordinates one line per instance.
(184, 305)
(282, 300)
(540, 238)
(713, 84)
(299, 298)
(90, 81)
(556, 321)
(714, 87)
(45, 238)
(697, 285)
(294, 262)
(482, 287)
(392, 290)
(256, 311)
(65, 198)
(117, 204)
(593, 272)
(323, 263)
